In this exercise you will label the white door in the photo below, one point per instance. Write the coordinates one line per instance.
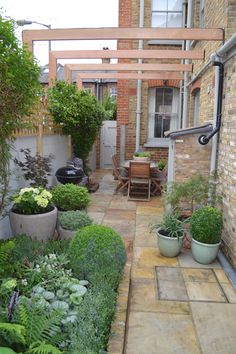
(108, 143)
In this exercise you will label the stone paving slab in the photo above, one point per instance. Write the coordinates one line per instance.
(215, 326)
(186, 260)
(154, 333)
(151, 257)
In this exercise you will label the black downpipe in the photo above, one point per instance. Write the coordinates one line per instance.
(204, 139)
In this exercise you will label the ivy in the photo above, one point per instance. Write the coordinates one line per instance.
(19, 88)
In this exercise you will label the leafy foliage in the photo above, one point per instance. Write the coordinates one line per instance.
(43, 348)
(110, 106)
(36, 168)
(171, 226)
(142, 154)
(206, 225)
(70, 197)
(19, 88)
(79, 113)
(74, 220)
(98, 247)
(189, 193)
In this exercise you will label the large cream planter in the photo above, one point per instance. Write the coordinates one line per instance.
(169, 246)
(39, 226)
(204, 253)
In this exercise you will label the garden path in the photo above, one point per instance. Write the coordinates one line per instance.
(176, 306)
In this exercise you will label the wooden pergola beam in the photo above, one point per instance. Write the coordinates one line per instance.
(119, 54)
(128, 54)
(207, 34)
(129, 76)
(131, 67)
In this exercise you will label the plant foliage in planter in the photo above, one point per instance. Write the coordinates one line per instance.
(70, 197)
(74, 220)
(206, 225)
(142, 154)
(171, 225)
(189, 194)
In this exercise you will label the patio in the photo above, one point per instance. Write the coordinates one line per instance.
(175, 304)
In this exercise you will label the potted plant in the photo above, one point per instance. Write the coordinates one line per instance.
(170, 234)
(142, 156)
(206, 227)
(71, 221)
(161, 164)
(70, 197)
(33, 213)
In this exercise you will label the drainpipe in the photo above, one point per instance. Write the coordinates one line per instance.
(139, 83)
(186, 75)
(204, 139)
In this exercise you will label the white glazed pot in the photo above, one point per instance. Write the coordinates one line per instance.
(169, 246)
(204, 253)
(39, 226)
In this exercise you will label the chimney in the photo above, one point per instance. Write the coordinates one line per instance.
(106, 60)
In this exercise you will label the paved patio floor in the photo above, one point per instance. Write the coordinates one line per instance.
(176, 305)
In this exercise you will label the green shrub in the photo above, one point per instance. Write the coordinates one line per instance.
(70, 197)
(98, 254)
(74, 220)
(142, 154)
(206, 225)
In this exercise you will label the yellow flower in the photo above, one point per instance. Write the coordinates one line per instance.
(42, 202)
(45, 194)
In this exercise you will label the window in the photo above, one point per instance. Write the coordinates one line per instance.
(202, 14)
(167, 13)
(162, 112)
(196, 103)
(113, 92)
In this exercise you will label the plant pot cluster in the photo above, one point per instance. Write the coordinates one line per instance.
(202, 228)
(37, 212)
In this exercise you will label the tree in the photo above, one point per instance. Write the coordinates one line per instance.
(19, 88)
(79, 113)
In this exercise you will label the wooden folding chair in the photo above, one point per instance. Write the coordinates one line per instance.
(122, 180)
(158, 181)
(139, 181)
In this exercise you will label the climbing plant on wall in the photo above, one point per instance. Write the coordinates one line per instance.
(19, 88)
(79, 113)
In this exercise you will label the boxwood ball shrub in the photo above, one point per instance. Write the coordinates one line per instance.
(74, 220)
(69, 196)
(206, 225)
(98, 254)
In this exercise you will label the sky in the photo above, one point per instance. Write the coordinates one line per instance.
(67, 14)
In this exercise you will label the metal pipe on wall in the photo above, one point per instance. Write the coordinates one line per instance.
(139, 83)
(186, 75)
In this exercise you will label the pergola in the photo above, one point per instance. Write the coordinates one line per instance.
(127, 71)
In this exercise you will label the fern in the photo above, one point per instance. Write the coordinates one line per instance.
(12, 333)
(5, 251)
(43, 348)
(39, 326)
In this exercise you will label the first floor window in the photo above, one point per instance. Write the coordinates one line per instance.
(167, 13)
(162, 111)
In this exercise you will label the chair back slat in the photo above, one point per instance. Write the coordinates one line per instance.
(139, 169)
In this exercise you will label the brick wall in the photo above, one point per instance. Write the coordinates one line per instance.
(190, 157)
(227, 161)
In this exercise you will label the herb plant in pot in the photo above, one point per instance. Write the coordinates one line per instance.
(33, 213)
(71, 221)
(170, 234)
(142, 156)
(206, 227)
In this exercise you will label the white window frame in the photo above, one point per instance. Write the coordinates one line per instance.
(151, 140)
(202, 14)
(196, 106)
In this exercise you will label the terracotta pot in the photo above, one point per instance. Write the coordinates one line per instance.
(39, 226)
